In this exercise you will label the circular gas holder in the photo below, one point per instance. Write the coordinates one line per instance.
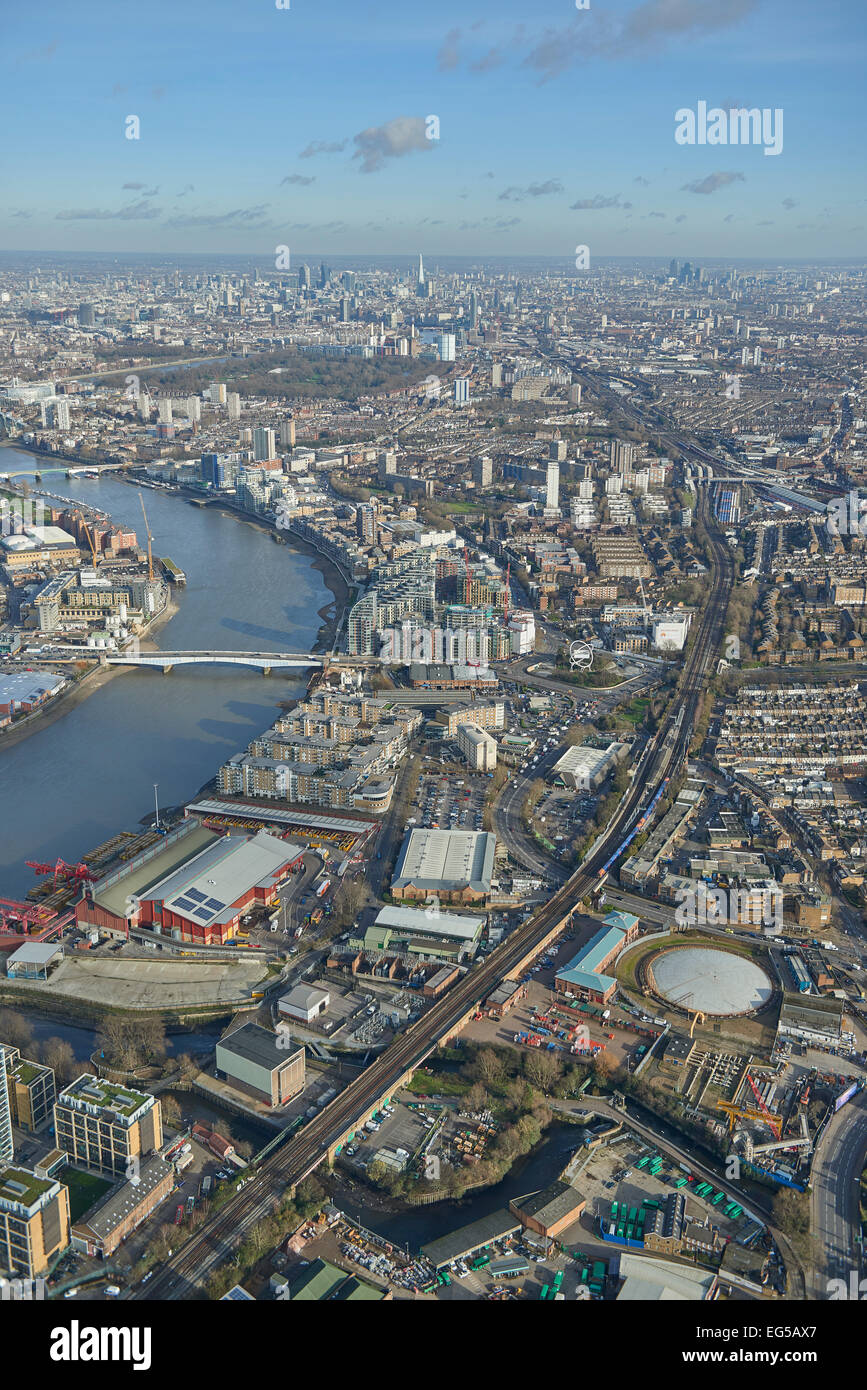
(716, 983)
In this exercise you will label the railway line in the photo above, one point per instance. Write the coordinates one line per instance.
(301, 1154)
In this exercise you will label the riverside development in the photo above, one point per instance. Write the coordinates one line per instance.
(428, 876)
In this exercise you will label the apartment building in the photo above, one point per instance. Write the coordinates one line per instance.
(104, 1126)
(30, 1088)
(477, 747)
(34, 1222)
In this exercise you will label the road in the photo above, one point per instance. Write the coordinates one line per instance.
(508, 821)
(837, 1167)
(299, 1156)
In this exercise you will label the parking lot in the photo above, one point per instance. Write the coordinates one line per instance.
(450, 803)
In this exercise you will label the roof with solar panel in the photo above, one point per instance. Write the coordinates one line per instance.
(206, 887)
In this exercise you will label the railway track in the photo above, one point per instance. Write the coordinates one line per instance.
(301, 1155)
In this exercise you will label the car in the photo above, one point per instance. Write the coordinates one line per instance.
(112, 1291)
(73, 1293)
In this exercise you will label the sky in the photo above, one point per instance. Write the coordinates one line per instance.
(461, 128)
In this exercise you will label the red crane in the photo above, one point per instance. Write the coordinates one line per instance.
(773, 1120)
(77, 873)
(24, 915)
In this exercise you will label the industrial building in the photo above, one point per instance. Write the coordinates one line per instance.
(585, 768)
(303, 1003)
(450, 865)
(193, 886)
(811, 1019)
(24, 691)
(34, 1222)
(423, 932)
(550, 1211)
(583, 977)
(323, 1282)
(258, 1063)
(123, 1209)
(30, 1089)
(103, 1126)
(651, 1279)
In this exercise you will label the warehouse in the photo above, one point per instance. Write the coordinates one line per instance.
(21, 692)
(422, 932)
(583, 977)
(125, 1208)
(449, 865)
(811, 1020)
(304, 1003)
(257, 1063)
(193, 886)
(550, 1211)
(648, 1279)
(468, 1240)
(584, 768)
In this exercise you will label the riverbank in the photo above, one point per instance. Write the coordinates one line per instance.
(80, 690)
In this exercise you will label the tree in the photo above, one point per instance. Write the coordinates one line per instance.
(171, 1111)
(15, 1030)
(59, 1056)
(151, 1038)
(489, 1066)
(543, 1069)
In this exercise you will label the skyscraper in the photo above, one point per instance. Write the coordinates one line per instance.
(7, 1149)
(421, 281)
(264, 444)
(462, 390)
(552, 490)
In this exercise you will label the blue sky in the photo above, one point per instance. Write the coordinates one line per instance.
(306, 127)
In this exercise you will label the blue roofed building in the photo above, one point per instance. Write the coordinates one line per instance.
(584, 976)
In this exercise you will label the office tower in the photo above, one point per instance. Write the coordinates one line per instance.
(30, 1091)
(7, 1148)
(304, 277)
(575, 394)
(420, 282)
(483, 470)
(194, 409)
(344, 310)
(673, 269)
(233, 405)
(446, 347)
(552, 487)
(474, 309)
(462, 390)
(217, 393)
(557, 450)
(324, 275)
(348, 281)
(86, 316)
(264, 444)
(287, 434)
(165, 410)
(103, 1126)
(34, 1222)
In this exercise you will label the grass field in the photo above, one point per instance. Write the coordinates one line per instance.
(84, 1190)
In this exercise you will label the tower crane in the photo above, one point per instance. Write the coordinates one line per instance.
(91, 542)
(150, 538)
(773, 1120)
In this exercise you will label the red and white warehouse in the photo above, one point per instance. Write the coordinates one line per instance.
(193, 886)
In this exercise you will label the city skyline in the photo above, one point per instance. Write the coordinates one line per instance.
(461, 135)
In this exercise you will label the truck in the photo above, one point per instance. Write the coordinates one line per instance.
(323, 888)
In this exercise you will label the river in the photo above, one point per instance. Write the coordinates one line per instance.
(416, 1226)
(78, 781)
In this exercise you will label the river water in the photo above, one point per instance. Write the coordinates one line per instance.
(90, 774)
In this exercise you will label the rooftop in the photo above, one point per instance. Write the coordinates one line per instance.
(415, 919)
(255, 1044)
(104, 1095)
(446, 859)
